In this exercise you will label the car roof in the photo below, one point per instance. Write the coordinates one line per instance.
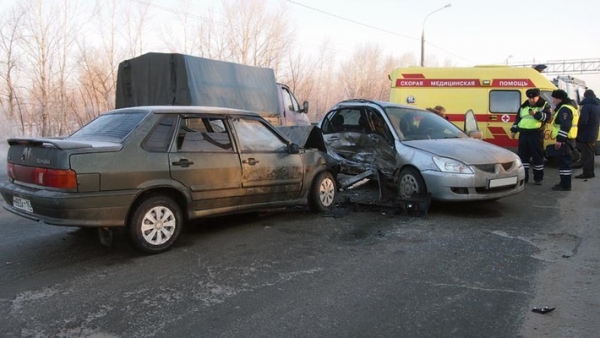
(353, 102)
(188, 109)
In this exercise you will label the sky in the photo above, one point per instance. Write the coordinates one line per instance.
(467, 33)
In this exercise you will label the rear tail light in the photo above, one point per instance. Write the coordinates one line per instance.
(55, 178)
(10, 170)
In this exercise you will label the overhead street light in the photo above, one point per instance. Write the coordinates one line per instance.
(423, 35)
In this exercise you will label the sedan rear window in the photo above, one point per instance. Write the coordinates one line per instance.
(110, 127)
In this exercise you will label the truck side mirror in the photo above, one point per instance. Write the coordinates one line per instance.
(304, 107)
(293, 148)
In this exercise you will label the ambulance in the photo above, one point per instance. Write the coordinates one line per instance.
(493, 93)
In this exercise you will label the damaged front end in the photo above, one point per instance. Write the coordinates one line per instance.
(311, 137)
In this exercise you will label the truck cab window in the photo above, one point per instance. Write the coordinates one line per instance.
(289, 100)
(505, 101)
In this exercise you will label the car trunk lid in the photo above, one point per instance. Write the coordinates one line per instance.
(45, 161)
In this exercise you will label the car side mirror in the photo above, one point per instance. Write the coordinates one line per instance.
(304, 107)
(476, 134)
(293, 148)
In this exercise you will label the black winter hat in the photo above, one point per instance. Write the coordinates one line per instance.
(560, 94)
(589, 93)
(532, 92)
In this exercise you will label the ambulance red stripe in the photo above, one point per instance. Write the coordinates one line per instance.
(418, 82)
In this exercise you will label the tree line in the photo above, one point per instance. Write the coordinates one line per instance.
(59, 59)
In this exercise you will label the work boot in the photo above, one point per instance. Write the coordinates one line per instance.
(538, 183)
(584, 176)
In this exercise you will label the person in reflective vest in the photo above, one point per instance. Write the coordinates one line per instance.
(564, 130)
(530, 123)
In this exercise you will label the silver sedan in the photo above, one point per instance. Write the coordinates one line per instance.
(419, 151)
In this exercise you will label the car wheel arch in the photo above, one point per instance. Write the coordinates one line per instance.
(178, 196)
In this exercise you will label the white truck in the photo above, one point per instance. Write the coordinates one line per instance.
(573, 86)
(179, 79)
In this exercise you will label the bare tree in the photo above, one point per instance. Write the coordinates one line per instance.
(10, 36)
(311, 79)
(359, 75)
(97, 63)
(68, 26)
(40, 47)
(255, 36)
(365, 74)
(184, 33)
(136, 19)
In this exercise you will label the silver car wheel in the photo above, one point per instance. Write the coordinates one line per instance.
(327, 192)
(410, 183)
(158, 225)
(408, 186)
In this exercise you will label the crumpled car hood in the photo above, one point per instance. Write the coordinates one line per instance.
(467, 150)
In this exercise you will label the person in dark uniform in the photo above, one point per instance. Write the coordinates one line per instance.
(587, 132)
(564, 130)
(530, 123)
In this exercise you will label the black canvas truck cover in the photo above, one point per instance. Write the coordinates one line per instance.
(185, 80)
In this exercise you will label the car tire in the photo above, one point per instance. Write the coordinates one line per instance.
(155, 225)
(322, 193)
(409, 183)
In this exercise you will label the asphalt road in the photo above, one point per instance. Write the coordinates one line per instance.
(464, 270)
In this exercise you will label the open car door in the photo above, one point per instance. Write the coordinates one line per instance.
(471, 128)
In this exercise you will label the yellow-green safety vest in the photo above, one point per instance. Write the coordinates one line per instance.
(527, 121)
(573, 131)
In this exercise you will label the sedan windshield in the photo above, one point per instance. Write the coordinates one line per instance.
(413, 124)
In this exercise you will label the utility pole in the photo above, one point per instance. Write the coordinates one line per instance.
(423, 34)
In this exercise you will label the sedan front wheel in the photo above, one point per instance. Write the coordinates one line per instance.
(410, 182)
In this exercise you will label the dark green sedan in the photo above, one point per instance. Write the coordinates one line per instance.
(150, 169)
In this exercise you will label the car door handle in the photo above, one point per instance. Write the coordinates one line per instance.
(184, 162)
(250, 161)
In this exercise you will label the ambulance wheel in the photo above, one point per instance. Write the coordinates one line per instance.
(410, 182)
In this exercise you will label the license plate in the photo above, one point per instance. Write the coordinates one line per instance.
(502, 182)
(22, 203)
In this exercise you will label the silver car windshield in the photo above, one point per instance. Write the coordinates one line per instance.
(413, 124)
